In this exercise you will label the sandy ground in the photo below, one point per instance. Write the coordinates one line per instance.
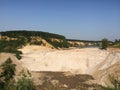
(77, 61)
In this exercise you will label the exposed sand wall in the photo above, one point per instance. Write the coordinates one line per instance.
(78, 61)
(98, 63)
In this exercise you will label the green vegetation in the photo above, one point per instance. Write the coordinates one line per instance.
(7, 81)
(7, 74)
(11, 41)
(31, 37)
(104, 43)
(11, 47)
(116, 43)
(8, 70)
(24, 82)
(36, 43)
(61, 44)
(28, 34)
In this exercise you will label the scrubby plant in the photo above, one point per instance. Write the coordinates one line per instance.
(115, 82)
(36, 43)
(104, 43)
(11, 47)
(7, 74)
(24, 82)
(8, 70)
(25, 37)
(7, 81)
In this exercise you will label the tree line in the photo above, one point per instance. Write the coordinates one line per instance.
(28, 34)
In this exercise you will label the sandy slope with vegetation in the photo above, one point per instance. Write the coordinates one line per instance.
(5, 56)
(50, 59)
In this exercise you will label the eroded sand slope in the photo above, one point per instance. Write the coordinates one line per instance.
(93, 61)
(78, 61)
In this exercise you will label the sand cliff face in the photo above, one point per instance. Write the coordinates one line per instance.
(93, 61)
(82, 61)
(108, 68)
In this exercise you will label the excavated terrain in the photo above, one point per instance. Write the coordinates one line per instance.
(70, 68)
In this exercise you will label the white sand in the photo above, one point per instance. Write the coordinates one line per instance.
(79, 61)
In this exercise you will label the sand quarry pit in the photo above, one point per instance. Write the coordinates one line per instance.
(69, 68)
(76, 61)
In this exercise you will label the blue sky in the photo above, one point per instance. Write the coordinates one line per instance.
(77, 19)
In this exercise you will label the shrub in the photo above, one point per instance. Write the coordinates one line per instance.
(10, 47)
(104, 43)
(8, 70)
(7, 81)
(7, 74)
(24, 82)
(36, 43)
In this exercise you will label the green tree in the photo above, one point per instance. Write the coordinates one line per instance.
(7, 74)
(8, 70)
(116, 41)
(104, 43)
(7, 81)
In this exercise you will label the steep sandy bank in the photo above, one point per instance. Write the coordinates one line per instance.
(78, 61)
(110, 67)
(98, 63)
(32, 48)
